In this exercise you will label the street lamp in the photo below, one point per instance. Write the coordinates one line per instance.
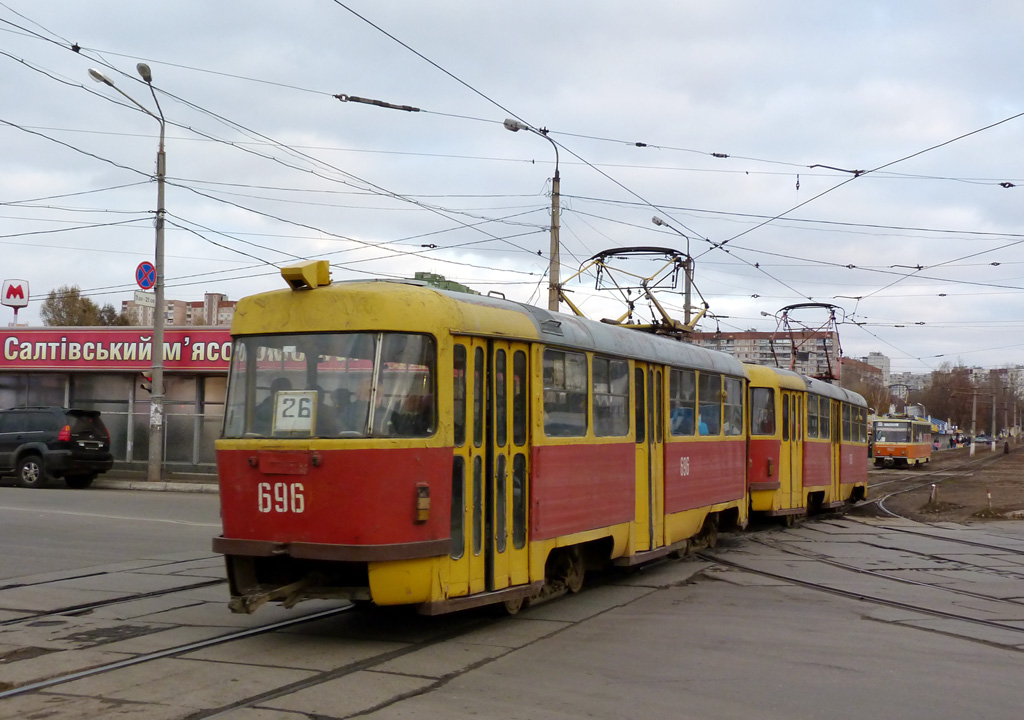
(156, 406)
(553, 262)
(687, 268)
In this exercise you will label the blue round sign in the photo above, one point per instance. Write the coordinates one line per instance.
(145, 275)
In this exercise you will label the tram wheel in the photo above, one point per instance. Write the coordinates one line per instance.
(789, 520)
(512, 607)
(710, 533)
(576, 571)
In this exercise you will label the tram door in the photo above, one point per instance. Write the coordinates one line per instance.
(838, 411)
(507, 467)
(791, 456)
(796, 485)
(650, 459)
(490, 475)
(468, 563)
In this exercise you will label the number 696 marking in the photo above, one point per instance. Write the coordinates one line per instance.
(281, 497)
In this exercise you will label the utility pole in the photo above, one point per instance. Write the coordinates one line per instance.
(554, 262)
(156, 403)
(687, 270)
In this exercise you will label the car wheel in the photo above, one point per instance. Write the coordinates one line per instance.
(31, 472)
(79, 482)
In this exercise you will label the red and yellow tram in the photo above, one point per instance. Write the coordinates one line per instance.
(808, 444)
(394, 443)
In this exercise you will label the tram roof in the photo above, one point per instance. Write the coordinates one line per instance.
(820, 387)
(410, 306)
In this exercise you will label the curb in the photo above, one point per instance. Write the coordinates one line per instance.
(161, 486)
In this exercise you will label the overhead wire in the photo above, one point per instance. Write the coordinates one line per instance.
(638, 196)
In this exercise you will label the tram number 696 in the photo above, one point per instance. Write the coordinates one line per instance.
(684, 466)
(281, 497)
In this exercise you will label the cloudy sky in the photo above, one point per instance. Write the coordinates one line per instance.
(868, 155)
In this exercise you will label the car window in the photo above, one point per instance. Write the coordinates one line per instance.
(42, 421)
(85, 423)
(15, 422)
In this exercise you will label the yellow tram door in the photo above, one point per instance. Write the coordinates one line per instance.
(507, 466)
(840, 431)
(796, 446)
(467, 567)
(791, 453)
(650, 461)
(785, 453)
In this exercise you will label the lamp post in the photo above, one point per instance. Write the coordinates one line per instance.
(687, 268)
(553, 262)
(156, 406)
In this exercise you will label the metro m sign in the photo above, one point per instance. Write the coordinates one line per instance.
(14, 293)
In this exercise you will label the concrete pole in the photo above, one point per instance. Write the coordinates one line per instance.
(156, 403)
(554, 262)
(688, 269)
(974, 421)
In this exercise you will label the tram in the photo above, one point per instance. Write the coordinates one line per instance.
(389, 442)
(808, 444)
(394, 443)
(902, 441)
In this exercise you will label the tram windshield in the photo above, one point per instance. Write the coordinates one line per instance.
(332, 385)
(892, 433)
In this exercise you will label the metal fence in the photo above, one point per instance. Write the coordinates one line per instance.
(188, 439)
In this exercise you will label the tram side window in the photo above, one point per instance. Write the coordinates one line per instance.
(846, 423)
(519, 398)
(682, 401)
(500, 399)
(824, 418)
(478, 505)
(611, 397)
(762, 411)
(478, 397)
(862, 429)
(519, 501)
(812, 417)
(458, 520)
(565, 394)
(733, 406)
(459, 381)
(640, 404)
(785, 417)
(709, 404)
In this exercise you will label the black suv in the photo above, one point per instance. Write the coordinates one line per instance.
(37, 443)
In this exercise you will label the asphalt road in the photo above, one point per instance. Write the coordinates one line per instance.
(838, 617)
(51, 530)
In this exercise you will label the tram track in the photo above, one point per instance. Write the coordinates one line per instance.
(907, 581)
(74, 610)
(883, 601)
(939, 534)
(451, 628)
(918, 481)
(87, 607)
(169, 652)
(382, 624)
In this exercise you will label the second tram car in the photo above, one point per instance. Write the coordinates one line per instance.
(389, 442)
(808, 444)
(902, 441)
